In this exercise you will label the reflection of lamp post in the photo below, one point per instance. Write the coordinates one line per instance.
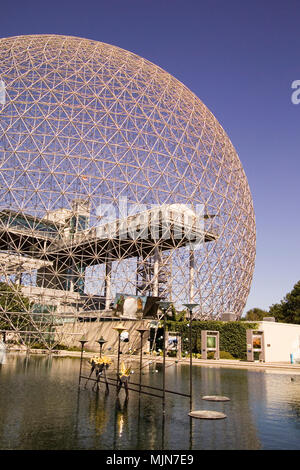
(164, 307)
(82, 341)
(101, 342)
(119, 329)
(141, 331)
(190, 307)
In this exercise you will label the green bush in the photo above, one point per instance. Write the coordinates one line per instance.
(64, 347)
(197, 355)
(73, 348)
(172, 353)
(226, 355)
(61, 347)
(37, 346)
(232, 335)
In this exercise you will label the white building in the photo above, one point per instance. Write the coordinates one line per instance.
(274, 342)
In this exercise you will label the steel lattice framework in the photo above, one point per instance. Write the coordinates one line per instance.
(87, 126)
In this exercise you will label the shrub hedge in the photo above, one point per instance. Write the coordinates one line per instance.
(232, 335)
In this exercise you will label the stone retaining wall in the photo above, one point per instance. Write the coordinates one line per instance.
(70, 334)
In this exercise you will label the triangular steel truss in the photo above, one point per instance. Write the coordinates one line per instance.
(85, 125)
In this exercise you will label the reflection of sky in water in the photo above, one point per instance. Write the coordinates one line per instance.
(42, 409)
(276, 408)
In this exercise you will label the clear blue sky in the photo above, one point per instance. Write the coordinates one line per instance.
(240, 59)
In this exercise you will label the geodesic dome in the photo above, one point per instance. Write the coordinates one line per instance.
(94, 138)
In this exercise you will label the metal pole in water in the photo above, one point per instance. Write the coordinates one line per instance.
(190, 307)
(164, 362)
(164, 306)
(101, 342)
(119, 329)
(191, 362)
(141, 331)
(82, 341)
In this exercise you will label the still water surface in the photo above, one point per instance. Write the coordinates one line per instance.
(41, 408)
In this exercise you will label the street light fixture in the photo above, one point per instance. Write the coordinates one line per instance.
(190, 307)
(164, 305)
(101, 342)
(82, 341)
(119, 329)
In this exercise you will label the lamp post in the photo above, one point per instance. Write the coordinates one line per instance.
(141, 331)
(82, 341)
(164, 307)
(119, 329)
(190, 307)
(101, 342)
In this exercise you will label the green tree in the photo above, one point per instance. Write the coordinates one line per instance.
(255, 314)
(175, 315)
(276, 311)
(14, 308)
(288, 310)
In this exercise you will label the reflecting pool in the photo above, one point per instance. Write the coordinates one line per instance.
(41, 407)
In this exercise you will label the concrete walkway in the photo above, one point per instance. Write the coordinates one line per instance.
(237, 364)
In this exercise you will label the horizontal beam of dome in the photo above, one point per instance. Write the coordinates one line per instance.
(120, 239)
